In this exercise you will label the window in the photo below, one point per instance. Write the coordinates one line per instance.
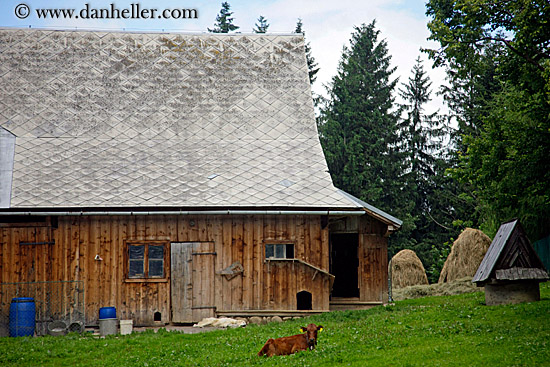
(279, 251)
(146, 260)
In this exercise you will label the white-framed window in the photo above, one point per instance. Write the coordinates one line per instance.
(279, 251)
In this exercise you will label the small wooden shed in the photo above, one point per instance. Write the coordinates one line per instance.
(511, 269)
(174, 176)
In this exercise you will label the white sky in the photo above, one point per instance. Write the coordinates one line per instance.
(328, 26)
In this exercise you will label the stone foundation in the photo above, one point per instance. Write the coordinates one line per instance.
(508, 293)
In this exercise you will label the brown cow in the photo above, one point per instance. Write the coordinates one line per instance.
(292, 344)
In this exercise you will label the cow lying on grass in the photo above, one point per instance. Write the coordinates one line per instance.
(292, 344)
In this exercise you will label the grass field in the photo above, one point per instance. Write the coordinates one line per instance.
(432, 331)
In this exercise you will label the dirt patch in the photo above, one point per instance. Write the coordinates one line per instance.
(406, 269)
(466, 254)
(458, 286)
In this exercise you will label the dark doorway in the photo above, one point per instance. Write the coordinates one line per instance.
(344, 264)
(303, 300)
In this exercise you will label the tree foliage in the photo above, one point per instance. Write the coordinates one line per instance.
(312, 65)
(498, 54)
(261, 26)
(358, 128)
(224, 22)
(420, 135)
(429, 195)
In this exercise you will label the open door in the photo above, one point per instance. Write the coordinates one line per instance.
(344, 264)
(192, 281)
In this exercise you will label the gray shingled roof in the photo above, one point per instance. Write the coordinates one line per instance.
(373, 211)
(510, 257)
(111, 119)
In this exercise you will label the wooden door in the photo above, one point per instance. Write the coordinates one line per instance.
(374, 269)
(181, 286)
(192, 281)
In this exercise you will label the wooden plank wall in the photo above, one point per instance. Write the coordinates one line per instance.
(237, 238)
(25, 263)
(373, 260)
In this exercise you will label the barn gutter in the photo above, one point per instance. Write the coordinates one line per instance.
(188, 212)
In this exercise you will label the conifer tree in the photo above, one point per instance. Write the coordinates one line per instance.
(420, 136)
(428, 191)
(358, 125)
(262, 25)
(224, 22)
(312, 65)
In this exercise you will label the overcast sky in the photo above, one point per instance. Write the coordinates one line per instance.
(328, 25)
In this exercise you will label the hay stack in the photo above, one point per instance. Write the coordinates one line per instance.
(407, 269)
(466, 254)
(460, 286)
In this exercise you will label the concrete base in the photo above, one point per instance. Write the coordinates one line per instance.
(508, 293)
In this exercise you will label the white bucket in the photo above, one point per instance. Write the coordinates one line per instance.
(126, 327)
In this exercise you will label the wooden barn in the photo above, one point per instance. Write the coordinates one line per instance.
(511, 269)
(174, 177)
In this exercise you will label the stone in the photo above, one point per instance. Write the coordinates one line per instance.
(255, 320)
(510, 293)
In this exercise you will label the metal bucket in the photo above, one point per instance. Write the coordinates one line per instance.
(107, 327)
(57, 328)
(76, 327)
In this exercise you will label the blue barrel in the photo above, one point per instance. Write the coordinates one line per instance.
(22, 317)
(107, 313)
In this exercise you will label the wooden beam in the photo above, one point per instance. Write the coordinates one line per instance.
(290, 313)
(304, 263)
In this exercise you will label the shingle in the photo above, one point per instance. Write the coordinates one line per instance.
(129, 120)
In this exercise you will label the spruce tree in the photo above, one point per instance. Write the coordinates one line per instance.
(312, 65)
(420, 136)
(426, 187)
(262, 25)
(224, 22)
(358, 125)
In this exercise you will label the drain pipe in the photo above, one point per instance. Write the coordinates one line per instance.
(185, 212)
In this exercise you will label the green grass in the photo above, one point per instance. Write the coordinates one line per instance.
(433, 331)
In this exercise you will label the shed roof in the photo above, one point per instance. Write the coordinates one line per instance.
(510, 257)
(115, 120)
(373, 211)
